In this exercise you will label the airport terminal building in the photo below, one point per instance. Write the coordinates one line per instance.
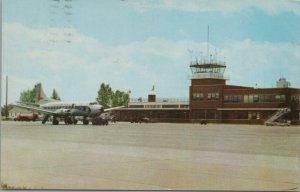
(211, 99)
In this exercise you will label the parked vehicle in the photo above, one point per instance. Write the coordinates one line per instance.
(203, 122)
(99, 121)
(26, 117)
(141, 120)
(112, 118)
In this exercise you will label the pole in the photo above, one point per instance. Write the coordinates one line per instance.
(208, 41)
(6, 109)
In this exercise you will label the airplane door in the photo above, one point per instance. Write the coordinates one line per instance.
(87, 109)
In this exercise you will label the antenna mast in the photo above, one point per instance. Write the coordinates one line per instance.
(208, 41)
(6, 109)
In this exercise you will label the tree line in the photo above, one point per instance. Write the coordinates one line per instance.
(109, 98)
(106, 96)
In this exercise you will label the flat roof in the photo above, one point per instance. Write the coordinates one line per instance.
(208, 65)
(248, 109)
(149, 109)
(160, 103)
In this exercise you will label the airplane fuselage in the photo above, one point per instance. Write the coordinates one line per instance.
(67, 111)
(90, 109)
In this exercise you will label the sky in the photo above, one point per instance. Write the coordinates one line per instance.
(75, 45)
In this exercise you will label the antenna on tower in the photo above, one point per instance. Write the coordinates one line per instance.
(191, 53)
(201, 57)
(207, 40)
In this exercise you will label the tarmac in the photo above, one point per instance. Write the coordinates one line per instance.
(150, 156)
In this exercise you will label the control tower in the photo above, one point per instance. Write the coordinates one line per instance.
(207, 72)
(206, 90)
(207, 85)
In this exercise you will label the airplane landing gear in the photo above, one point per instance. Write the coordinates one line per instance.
(55, 121)
(45, 119)
(85, 121)
(68, 120)
(74, 120)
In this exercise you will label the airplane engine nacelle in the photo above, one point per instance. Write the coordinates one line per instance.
(80, 111)
(64, 111)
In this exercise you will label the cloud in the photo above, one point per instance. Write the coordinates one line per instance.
(228, 6)
(77, 69)
(251, 62)
(15, 86)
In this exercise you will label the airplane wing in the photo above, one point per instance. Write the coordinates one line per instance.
(31, 104)
(113, 108)
(35, 109)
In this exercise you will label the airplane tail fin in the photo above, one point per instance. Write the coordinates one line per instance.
(41, 97)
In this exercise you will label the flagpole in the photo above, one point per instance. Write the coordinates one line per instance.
(6, 109)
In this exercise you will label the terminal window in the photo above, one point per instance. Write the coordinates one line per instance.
(213, 96)
(198, 96)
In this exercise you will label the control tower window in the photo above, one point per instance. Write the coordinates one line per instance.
(255, 98)
(198, 96)
(213, 96)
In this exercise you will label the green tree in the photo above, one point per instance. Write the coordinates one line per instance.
(105, 95)
(29, 96)
(108, 98)
(55, 95)
(3, 109)
(120, 98)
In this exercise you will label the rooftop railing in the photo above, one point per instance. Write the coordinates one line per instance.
(208, 61)
(208, 76)
(162, 100)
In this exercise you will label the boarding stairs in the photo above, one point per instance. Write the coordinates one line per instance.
(277, 115)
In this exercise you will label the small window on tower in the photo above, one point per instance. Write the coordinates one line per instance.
(209, 96)
(213, 96)
(226, 98)
(255, 98)
(198, 96)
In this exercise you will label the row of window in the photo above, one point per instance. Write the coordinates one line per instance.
(209, 70)
(253, 98)
(210, 96)
(159, 106)
(58, 107)
(197, 96)
(296, 97)
(213, 96)
(246, 115)
(83, 108)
